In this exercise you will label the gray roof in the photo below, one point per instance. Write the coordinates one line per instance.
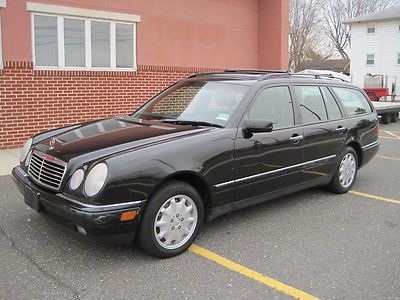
(384, 14)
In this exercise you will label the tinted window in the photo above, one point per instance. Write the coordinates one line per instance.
(353, 101)
(311, 104)
(275, 105)
(331, 105)
(208, 101)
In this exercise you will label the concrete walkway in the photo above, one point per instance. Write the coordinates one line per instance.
(8, 160)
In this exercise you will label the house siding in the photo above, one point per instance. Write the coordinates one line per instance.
(384, 44)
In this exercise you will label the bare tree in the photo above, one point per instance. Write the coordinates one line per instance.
(337, 11)
(303, 18)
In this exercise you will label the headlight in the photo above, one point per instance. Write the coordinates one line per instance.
(25, 150)
(96, 179)
(76, 179)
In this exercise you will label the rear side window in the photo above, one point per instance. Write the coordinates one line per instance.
(353, 101)
(331, 106)
(273, 104)
(312, 107)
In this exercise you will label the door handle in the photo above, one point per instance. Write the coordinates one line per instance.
(296, 138)
(341, 129)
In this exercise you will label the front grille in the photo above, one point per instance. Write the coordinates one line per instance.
(46, 170)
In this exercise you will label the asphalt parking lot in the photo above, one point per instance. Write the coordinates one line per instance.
(310, 244)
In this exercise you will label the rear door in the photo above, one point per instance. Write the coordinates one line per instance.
(270, 161)
(324, 130)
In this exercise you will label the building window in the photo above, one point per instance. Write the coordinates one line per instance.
(398, 58)
(371, 29)
(1, 48)
(83, 43)
(370, 59)
(74, 42)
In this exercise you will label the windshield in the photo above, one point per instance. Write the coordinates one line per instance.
(199, 101)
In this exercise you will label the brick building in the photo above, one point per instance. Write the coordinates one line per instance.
(68, 61)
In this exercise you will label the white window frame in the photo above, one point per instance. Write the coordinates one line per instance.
(1, 47)
(370, 26)
(366, 61)
(3, 4)
(73, 13)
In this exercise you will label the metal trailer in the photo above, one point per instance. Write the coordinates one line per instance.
(388, 111)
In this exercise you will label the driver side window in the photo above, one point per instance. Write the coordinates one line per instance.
(273, 104)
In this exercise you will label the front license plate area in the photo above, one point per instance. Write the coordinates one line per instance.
(32, 200)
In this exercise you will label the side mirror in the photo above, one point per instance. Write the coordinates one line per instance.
(254, 126)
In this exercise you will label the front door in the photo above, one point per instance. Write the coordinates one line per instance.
(271, 161)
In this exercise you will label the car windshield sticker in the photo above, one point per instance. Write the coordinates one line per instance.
(223, 116)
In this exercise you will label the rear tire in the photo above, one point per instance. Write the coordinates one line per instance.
(346, 172)
(171, 221)
(395, 117)
(385, 118)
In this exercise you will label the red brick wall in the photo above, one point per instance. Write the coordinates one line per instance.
(32, 101)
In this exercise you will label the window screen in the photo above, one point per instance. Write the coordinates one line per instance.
(101, 44)
(46, 43)
(371, 29)
(331, 105)
(273, 104)
(74, 42)
(370, 59)
(124, 45)
(312, 108)
(353, 101)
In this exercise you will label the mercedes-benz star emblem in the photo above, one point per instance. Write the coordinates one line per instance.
(52, 142)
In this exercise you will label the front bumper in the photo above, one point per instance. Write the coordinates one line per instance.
(100, 222)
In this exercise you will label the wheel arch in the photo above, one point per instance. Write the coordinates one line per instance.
(196, 181)
(357, 147)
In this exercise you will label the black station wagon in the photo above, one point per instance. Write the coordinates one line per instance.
(205, 146)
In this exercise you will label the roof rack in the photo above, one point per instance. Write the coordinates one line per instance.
(240, 72)
(269, 74)
(256, 71)
(320, 76)
(317, 76)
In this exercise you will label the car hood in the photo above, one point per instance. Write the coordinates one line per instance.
(109, 136)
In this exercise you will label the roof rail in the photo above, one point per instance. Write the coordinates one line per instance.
(205, 74)
(255, 71)
(317, 76)
(320, 76)
(268, 74)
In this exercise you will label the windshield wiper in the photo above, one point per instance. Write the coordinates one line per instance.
(195, 123)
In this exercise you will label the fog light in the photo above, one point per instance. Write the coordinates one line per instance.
(81, 230)
(128, 215)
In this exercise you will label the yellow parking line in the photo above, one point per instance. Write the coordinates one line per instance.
(392, 131)
(375, 197)
(387, 157)
(388, 137)
(392, 134)
(282, 287)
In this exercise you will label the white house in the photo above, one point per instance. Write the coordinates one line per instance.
(375, 47)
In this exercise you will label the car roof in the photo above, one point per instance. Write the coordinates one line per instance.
(269, 75)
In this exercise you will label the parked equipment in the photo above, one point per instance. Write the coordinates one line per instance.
(376, 88)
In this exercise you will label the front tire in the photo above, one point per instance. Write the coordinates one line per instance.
(346, 172)
(172, 220)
